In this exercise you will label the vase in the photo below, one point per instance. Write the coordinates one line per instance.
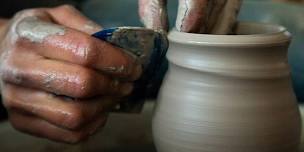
(228, 93)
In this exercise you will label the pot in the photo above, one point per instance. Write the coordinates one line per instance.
(228, 93)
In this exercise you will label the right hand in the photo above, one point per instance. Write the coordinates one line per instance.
(57, 81)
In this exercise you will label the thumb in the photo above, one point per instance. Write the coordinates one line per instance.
(153, 14)
(192, 16)
(69, 16)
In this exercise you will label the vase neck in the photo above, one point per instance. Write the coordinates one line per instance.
(247, 62)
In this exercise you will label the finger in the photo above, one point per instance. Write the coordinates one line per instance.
(153, 14)
(192, 16)
(64, 113)
(226, 17)
(214, 13)
(69, 45)
(41, 128)
(60, 78)
(69, 16)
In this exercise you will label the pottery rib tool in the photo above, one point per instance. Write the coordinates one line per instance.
(148, 47)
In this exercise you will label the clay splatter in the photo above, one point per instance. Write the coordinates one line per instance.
(37, 30)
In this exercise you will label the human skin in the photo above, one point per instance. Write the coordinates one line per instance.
(55, 81)
(193, 16)
(190, 17)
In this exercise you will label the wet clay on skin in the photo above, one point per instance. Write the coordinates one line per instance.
(207, 16)
(37, 30)
(153, 14)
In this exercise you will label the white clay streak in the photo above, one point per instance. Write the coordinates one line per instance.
(153, 14)
(37, 30)
(183, 10)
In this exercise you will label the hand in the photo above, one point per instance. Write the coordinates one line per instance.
(194, 16)
(57, 81)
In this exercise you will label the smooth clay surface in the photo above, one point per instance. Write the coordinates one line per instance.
(228, 93)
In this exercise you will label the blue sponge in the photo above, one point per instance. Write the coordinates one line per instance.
(149, 47)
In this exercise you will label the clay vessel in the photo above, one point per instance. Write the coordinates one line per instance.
(228, 93)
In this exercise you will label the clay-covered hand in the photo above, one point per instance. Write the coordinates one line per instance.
(153, 14)
(57, 81)
(194, 16)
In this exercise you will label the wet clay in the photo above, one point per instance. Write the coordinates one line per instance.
(228, 93)
(37, 30)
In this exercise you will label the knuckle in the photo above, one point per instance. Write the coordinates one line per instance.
(84, 86)
(11, 73)
(75, 119)
(87, 51)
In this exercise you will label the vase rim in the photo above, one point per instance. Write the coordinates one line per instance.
(248, 34)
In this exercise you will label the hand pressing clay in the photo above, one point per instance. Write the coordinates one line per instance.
(207, 16)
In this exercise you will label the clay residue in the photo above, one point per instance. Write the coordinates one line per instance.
(37, 30)
(182, 13)
(153, 14)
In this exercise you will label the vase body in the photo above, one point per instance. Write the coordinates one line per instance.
(228, 93)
